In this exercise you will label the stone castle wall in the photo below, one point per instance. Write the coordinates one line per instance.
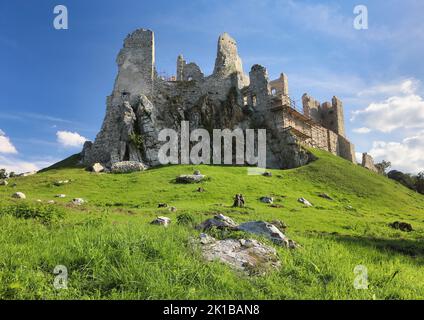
(142, 104)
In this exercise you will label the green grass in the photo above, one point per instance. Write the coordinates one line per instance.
(112, 252)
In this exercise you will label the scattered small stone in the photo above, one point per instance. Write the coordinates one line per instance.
(279, 224)
(239, 201)
(162, 205)
(19, 195)
(163, 221)
(3, 182)
(51, 202)
(61, 182)
(200, 189)
(305, 202)
(189, 178)
(276, 205)
(267, 174)
(219, 221)
(402, 226)
(205, 238)
(173, 209)
(325, 196)
(97, 168)
(60, 196)
(78, 201)
(196, 173)
(349, 207)
(39, 200)
(269, 200)
(127, 167)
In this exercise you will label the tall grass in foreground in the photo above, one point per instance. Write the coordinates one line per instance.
(112, 252)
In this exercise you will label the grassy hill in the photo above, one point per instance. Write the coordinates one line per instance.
(111, 251)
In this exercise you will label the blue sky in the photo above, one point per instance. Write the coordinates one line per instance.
(54, 82)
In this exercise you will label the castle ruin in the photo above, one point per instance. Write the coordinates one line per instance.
(142, 103)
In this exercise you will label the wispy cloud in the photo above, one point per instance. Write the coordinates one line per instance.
(25, 116)
(362, 130)
(406, 155)
(17, 165)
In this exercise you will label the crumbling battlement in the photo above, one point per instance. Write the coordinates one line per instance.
(142, 104)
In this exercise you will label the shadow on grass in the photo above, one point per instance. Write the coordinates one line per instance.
(410, 248)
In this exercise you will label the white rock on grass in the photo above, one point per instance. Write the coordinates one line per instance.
(269, 231)
(19, 195)
(190, 178)
(269, 200)
(305, 202)
(60, 196)
(78, 201)
(61, 182)
(163, 221)
(3, 182)
(97, 168)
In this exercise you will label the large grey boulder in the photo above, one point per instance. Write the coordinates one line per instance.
(219, 221)
(190, 178)
(127, 167)
(249, 256)
(267, 230)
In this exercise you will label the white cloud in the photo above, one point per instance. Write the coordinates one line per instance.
(408, 86)
(13, 164)
(6, 145)
(403, 111)
(362, 130)
(407, 155)
(70, 139)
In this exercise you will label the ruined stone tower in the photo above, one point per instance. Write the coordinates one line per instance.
(136, 66)
(142, 104)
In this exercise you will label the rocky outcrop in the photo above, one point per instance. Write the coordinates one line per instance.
(368, 162)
